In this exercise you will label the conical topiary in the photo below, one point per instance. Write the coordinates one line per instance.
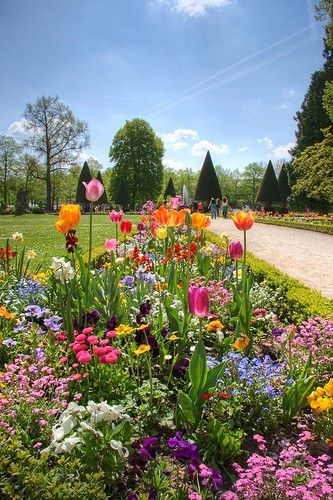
(85, 176)
(170, 189)
(103, 199)
(269, 192)
(208, 184)
(284, 187)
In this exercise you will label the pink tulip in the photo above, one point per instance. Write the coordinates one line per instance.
(125, 226)
(236, 250)
(198, 301)
(94, 189)
(111, 245)
(116, 216)
(174, 202)
(153, 228)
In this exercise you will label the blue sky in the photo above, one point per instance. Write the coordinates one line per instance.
(223, 75)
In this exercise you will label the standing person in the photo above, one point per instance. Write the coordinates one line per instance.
(200, 207)
(225, 206)
(213, 207)
(194, 206)
(218, 203)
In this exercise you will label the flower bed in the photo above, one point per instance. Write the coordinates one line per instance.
(310, 222)
(160, 368)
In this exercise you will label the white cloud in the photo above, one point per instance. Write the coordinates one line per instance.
(284, 105)
(243, 149)
(195, 8)
(282, 152)
(174, 164)
(17, 130)
(201, 147)
(177, 146)
(179, 134)
(266, 141)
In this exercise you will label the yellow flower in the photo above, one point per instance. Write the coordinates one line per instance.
(161, 233)
(321, 404)
(17, 237)
(124, 329)
(242, 342)
(142, 349)
(6, 314)
(31, 254)
(42, 277)
(329, 388)
(142, 327)
(161, 286)
(173, 337)
(213, 326)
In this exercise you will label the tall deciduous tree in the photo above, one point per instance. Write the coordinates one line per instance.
(170, 189)
(314, 169)
(56, 136)
(9, 155)
(137, 152)
(252, 176)
(268, 192)
(208, 184)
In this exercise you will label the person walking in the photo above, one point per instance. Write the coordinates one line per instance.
(213, 207)
(225, 206)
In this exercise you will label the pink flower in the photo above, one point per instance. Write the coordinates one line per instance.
(111, 357)
(83, 357)
(174, 202)
(81, 337)
(94, 189)
(63, 360)
(77, 347)
(111, 334)
(92, 339)
(111, 245)
(87, 331)
(198, 301)
(116, 216)
(236, 250)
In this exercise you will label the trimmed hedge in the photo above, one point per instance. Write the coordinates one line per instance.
(300, 301)
(309, 226)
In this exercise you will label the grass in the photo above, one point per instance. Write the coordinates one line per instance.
(40, 234)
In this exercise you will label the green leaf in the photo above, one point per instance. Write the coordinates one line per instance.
(186, 411)
(213, 375)
(198, 366)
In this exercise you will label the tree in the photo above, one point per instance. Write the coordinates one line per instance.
(120, 192)
(137, 152)
(9, 155)
(284, 186)
(56, 136)
(208, 184)
(314, 169)
(268, 192)
(103, 199)
(85, 176)
(170, 189)
(252, 176)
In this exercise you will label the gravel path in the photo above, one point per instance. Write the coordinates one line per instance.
(304, 255)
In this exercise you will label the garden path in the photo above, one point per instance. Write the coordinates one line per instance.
(304, 255)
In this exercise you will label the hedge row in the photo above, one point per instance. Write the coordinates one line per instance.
(310, 226)
(300, 301)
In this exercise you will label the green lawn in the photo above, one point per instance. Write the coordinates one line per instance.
(40, 234)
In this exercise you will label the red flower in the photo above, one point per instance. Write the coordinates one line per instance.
(224, 395)
(125, 226)
(331, 442)
(206, 395)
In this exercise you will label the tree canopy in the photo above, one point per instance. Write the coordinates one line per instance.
(208, 184)
(9, 151)
(137, 152)
(85, 176)
(56, 136)
(170, 189)
(283, 182)
(103, 199)
(268, 192)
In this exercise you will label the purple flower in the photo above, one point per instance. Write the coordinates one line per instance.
(184, 451)
(180, 368)
(9, 342)
(128, 281)
(40, 354)
(53, 323)
(146, 451)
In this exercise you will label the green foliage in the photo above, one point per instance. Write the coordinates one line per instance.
(170, 189)
(85, 176)
(269, 192)
(9, 151)
(309, 226)
(294, 396)
(222, 443)
(283, 183)
(208, 184)
(137, 152)
(314, 170)
(251, 179)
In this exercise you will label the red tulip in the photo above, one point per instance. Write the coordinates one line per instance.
(125, 226)
(198, 301)
(236, 250)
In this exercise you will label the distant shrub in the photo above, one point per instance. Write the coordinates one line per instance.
(37, 210)
(310, 226)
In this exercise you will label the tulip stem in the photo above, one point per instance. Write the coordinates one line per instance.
(90, 233)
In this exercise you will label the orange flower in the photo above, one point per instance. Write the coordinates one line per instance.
(200, 221)
(214, 326)
(69, 218)
(243, 220)
(6, 314)
(242, 342)
(169, 218)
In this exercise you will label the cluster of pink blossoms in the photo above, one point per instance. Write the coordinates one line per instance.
(293, 473)
(87, 346)
(216, 290)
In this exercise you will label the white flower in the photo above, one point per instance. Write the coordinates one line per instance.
(119, 447)
(102, 412)
(67, 445)
(84, 426)
(17, 237)
(31, 254)
(67, 424)
(119, 260)
(62, 270)
(167, 357)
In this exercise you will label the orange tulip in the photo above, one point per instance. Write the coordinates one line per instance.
(169, 218)
(200, 221)
(243, 220)
(69, 218)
